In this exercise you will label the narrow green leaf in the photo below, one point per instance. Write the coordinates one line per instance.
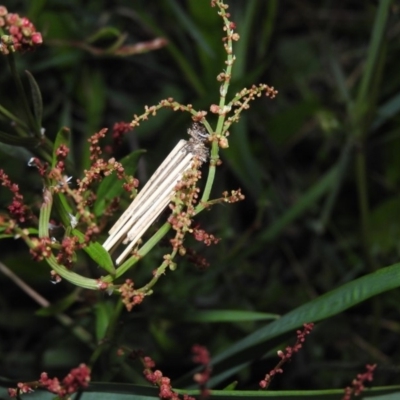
(177, 54)
(332, 303)
(298, 209)
(111, 187)
(229, 316)
(386, 111)
(231, 386)
(189, 25)
(241, 160)
(12, 117)
(247, 22)
(15, 140)
(125, 391)
(339, 76)
(45, 211)
(6, 236)
(63, 208)
(36, 99)
(103, 311)
(63, 137)
(341, 166)
(97, 253)
(374, 49)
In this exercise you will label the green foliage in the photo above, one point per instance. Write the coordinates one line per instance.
(315, 240)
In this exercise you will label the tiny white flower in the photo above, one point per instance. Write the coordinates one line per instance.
(73, 220)
(66, 180)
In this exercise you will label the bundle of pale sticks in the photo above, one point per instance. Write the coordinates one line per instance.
(157, 193)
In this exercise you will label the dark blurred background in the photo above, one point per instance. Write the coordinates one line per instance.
(302, 160)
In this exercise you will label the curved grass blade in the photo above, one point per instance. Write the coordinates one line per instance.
(332, 303)
(298, 209)
(15, 140)
(229, 316)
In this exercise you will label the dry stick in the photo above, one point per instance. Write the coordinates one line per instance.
(125, 216)
(65, 320)
(157, 193)
(159, 188)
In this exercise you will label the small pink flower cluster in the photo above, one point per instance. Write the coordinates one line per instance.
(119, 130)
(130, 297)
(202, 236)
(77, 378)
(287, 354)
(301, 337)
(163, 382)
(18, 210)
(22, 34)
(358, 383)
(202, 356)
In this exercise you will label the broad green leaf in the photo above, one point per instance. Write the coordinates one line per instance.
(97, 253)
(36, 99)
(111, 187)
(332, 303)
(229, 316)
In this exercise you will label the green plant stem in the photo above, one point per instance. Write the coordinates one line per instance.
(362, 190)
(221, 119)
(374, 51)
(361, 178)
(160, 271)
(210, 178)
